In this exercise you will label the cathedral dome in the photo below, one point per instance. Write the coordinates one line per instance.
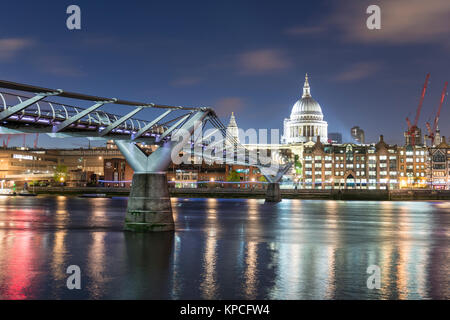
(306, 121)
(306, 108)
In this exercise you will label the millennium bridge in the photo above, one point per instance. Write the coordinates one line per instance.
(32, 109)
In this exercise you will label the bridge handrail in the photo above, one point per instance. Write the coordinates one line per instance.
(58, 111)
(72, 95)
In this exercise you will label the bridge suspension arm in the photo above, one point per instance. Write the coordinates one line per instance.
(173, 127)
(23, 105)
(79, 116)
(149, 125)
(117, 123)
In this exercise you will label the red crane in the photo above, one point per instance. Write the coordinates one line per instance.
(8, 140)
(412, 128)
(5, 145)
(36, 141)
(432, 132)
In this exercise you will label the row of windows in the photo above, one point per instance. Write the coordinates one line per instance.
(27, 165)
(410, 153)
(372, 160)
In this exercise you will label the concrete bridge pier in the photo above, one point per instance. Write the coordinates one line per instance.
(273, 193)
(149, 208)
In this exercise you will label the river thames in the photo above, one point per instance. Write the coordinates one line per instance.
(225, 249)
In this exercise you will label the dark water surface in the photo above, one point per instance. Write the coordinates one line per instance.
(225, 249)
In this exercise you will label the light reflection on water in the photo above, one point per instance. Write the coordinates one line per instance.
(225, 249)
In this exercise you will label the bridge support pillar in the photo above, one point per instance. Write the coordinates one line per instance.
(149, 208)
(273, 193)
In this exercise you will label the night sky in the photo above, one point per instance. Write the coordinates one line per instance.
(249, 57)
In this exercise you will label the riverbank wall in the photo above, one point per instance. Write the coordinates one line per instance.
(376, 195)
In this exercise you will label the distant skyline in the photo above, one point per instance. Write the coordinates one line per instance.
(249, 57)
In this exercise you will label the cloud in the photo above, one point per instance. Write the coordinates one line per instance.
(102, 41)
(301, 30)
(263, 61)
(225, 106)
(58, 65)
(358, 71)
(186, 81)
(402, 21)
(9, 47)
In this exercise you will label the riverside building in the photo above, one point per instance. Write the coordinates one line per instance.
(351, 166)
(439, 166)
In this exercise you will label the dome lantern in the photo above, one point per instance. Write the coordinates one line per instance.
(306, 89)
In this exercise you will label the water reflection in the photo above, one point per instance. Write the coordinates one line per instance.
(146, 266)
(208, 285)
(58, 255)
(226, 249)
(21, 256)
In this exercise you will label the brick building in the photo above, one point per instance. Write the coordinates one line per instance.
(439, 166)
(117, 173)
(350, 166)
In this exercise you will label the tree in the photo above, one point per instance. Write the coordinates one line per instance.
(262, 179)
(298, 165)
(60, 174)
(233, 176)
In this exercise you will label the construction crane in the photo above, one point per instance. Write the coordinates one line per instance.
(36, 141)
(412, 128)
(7, 141)
(432, 131)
